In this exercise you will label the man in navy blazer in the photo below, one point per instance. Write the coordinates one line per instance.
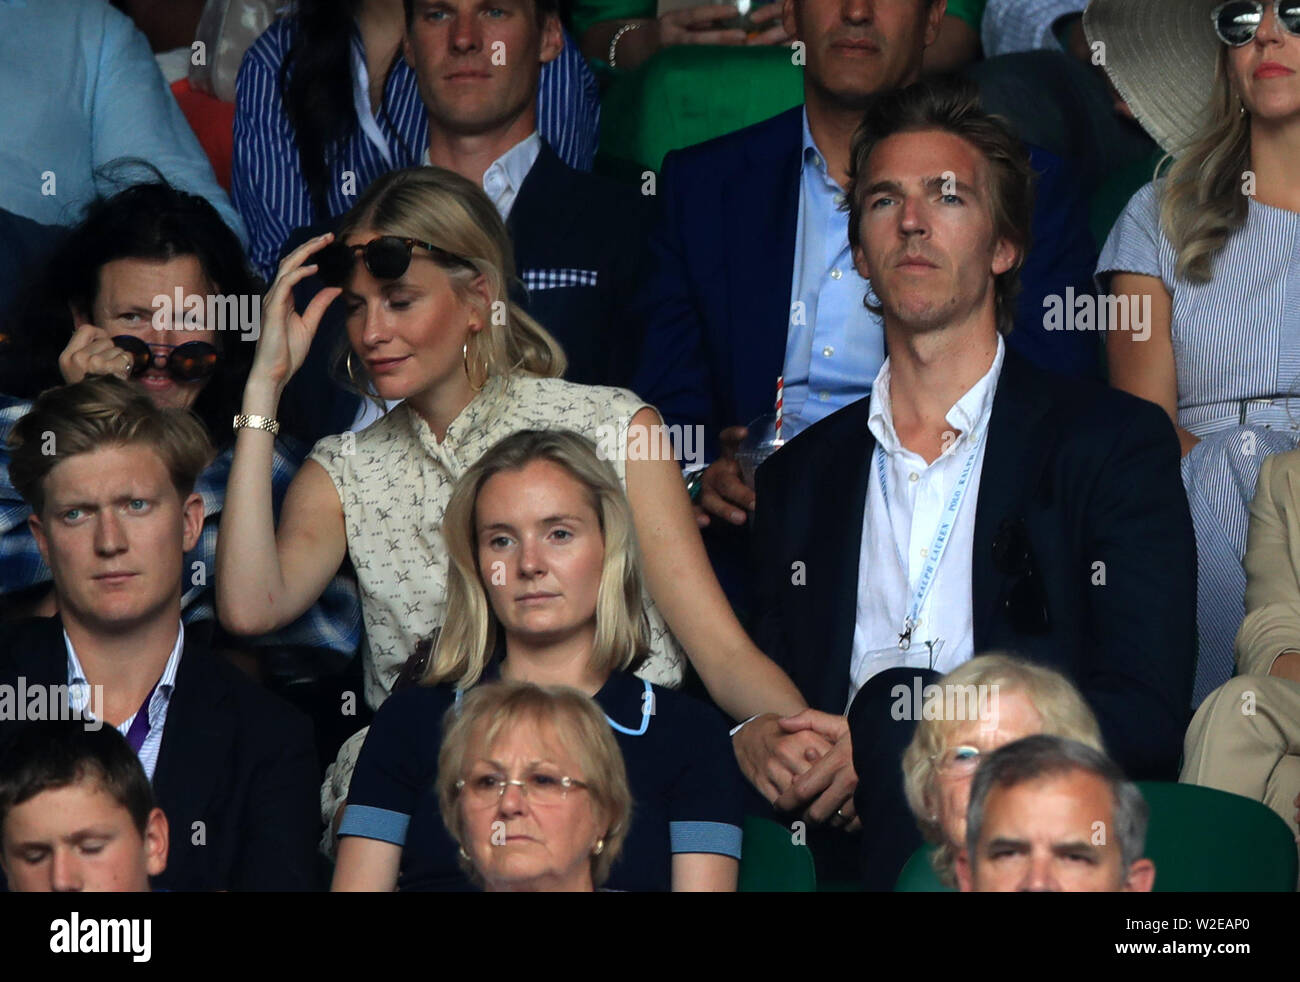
(233, 767)
(728, 283)
(974, 502)
(237, 775)
(579, 239)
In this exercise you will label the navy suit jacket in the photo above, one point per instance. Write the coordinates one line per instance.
(580, 247)
(233, 756)
(1090, 474)
(716, 302)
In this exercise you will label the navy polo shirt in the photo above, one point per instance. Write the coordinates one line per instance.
(687, 790)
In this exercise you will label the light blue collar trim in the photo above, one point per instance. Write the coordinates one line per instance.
(647, 710)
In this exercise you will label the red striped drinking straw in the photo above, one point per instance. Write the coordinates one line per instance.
(780, 399)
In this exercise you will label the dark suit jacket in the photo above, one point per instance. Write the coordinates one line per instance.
(716, 300)
(565, 219)
(233, 757)
(1093, 474)
(569, 228)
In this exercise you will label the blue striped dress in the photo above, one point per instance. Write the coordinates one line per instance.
(266, 180)
(1236, 346)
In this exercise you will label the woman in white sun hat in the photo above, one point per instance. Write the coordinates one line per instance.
(1213, 246)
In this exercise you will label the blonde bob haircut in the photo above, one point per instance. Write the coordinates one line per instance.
(469, 634)
(566, 719)
(1058, 703)
(1201, 199)
(440, 207)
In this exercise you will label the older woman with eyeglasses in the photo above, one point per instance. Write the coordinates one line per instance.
(986, 702)
(545, 587)
(532, 787)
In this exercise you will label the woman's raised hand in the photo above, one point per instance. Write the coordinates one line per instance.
(286, 334)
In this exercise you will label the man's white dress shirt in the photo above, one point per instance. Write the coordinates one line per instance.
(903, 531)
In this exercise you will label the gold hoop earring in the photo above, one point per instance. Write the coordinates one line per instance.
(463, 854)
(600, 847)
(464, 354)
(351, 375)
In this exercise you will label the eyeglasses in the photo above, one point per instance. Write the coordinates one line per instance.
(958, 760)
(192, 361)
(1237, 21)
(539, 787)
(387, 258)
(1026, 601)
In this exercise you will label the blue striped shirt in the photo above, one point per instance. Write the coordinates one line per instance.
(267, 182)
(835, 346)
(83, 701)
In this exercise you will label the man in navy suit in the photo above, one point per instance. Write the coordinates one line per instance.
(751, 276)
(972, 502)
(110, 480)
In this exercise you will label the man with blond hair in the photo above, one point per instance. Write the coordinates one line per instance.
(110, 480)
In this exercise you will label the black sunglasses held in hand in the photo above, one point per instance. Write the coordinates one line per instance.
(387, 258)
(192, 361)
(1237, 20)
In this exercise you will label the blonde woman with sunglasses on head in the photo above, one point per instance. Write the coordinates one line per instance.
(427, 263)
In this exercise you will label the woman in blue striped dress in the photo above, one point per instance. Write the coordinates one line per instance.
(1208, 259)
(325, 104)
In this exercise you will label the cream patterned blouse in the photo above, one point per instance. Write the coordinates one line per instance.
(394, 480)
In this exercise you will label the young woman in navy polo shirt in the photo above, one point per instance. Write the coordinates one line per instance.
(545, 587)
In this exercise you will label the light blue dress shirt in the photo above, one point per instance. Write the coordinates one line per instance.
(835, 346)
(81, 89)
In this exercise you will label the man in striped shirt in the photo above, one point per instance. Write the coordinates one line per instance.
(268, 184)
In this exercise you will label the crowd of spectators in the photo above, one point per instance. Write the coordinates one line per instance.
(433, 487)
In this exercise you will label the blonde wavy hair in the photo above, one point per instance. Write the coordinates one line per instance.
(572, 721)
(469, 634)
(1201, 199)
(1057, 702)
(440, 207)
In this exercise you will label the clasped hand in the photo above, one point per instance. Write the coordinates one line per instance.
(802, 763)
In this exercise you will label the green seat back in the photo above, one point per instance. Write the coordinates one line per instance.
(772, 862)
(1201, 840)
(690, 93)
(918, 875)
(1205, 839)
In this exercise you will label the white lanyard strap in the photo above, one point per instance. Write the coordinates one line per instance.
(937, 545)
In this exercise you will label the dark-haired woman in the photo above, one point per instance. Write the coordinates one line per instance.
(326, 104)
(153, 286)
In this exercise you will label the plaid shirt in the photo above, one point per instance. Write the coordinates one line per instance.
(334, 621)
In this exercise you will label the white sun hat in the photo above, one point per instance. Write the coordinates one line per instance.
(1161, 55)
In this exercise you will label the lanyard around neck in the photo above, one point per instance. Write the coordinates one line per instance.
(938, 545)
